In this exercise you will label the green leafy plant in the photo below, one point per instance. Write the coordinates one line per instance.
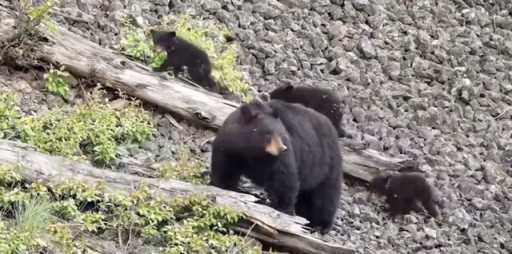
(94, 129)
(224, 57)
(12, 240)
(8, 115)
(206, 34)
(29, 17)
(38, 13)
(62, 235)
(55, 81)
(178, 224)
(136, 44)
(186, 168)
(33, 217)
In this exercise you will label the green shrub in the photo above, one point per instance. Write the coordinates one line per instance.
(94, 128)
(177, 224)
(184, 169)
(208, 35)
(137, 44)
(55, 81)
(13, 241)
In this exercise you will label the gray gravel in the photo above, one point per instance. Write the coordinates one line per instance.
(431, 80)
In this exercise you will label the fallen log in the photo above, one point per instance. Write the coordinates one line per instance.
(271, 226)
(99, 245)
(87, 59)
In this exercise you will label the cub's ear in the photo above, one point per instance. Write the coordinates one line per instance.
(155, 33)
(379, 183)
(159, 35)
(248, 113)
(288, 88)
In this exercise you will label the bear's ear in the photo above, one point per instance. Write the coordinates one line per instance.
(248, 113)
(245, 110)
(172, 34)
(155, 34)
(288, 88)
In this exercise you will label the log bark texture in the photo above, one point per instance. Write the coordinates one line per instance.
(271, 226)
(87, 59)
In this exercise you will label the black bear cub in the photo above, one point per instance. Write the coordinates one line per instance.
(321, 100)
(290, 150)
(182, 54)
(402, 191)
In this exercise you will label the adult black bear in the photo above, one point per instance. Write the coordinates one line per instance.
(402, 190)
(290, 150)
(321, 100)
(182, 54)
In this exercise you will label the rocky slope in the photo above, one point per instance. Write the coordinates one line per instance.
(431, 79)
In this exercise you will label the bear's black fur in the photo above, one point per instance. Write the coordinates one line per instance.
(321, 100)
(182, 54)
(290, 150)
(402, 190)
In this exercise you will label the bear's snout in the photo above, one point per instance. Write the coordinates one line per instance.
(275, 146)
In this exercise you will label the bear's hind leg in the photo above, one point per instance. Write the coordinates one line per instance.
(303, 208)
(196, 75)
(201, 76)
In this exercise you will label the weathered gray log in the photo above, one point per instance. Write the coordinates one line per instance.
(278, 228)
(86, 59)
(99, 245)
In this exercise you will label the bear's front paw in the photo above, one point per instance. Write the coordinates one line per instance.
(164, 75)
(318, 229)
(158, 69)
(289, 211)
